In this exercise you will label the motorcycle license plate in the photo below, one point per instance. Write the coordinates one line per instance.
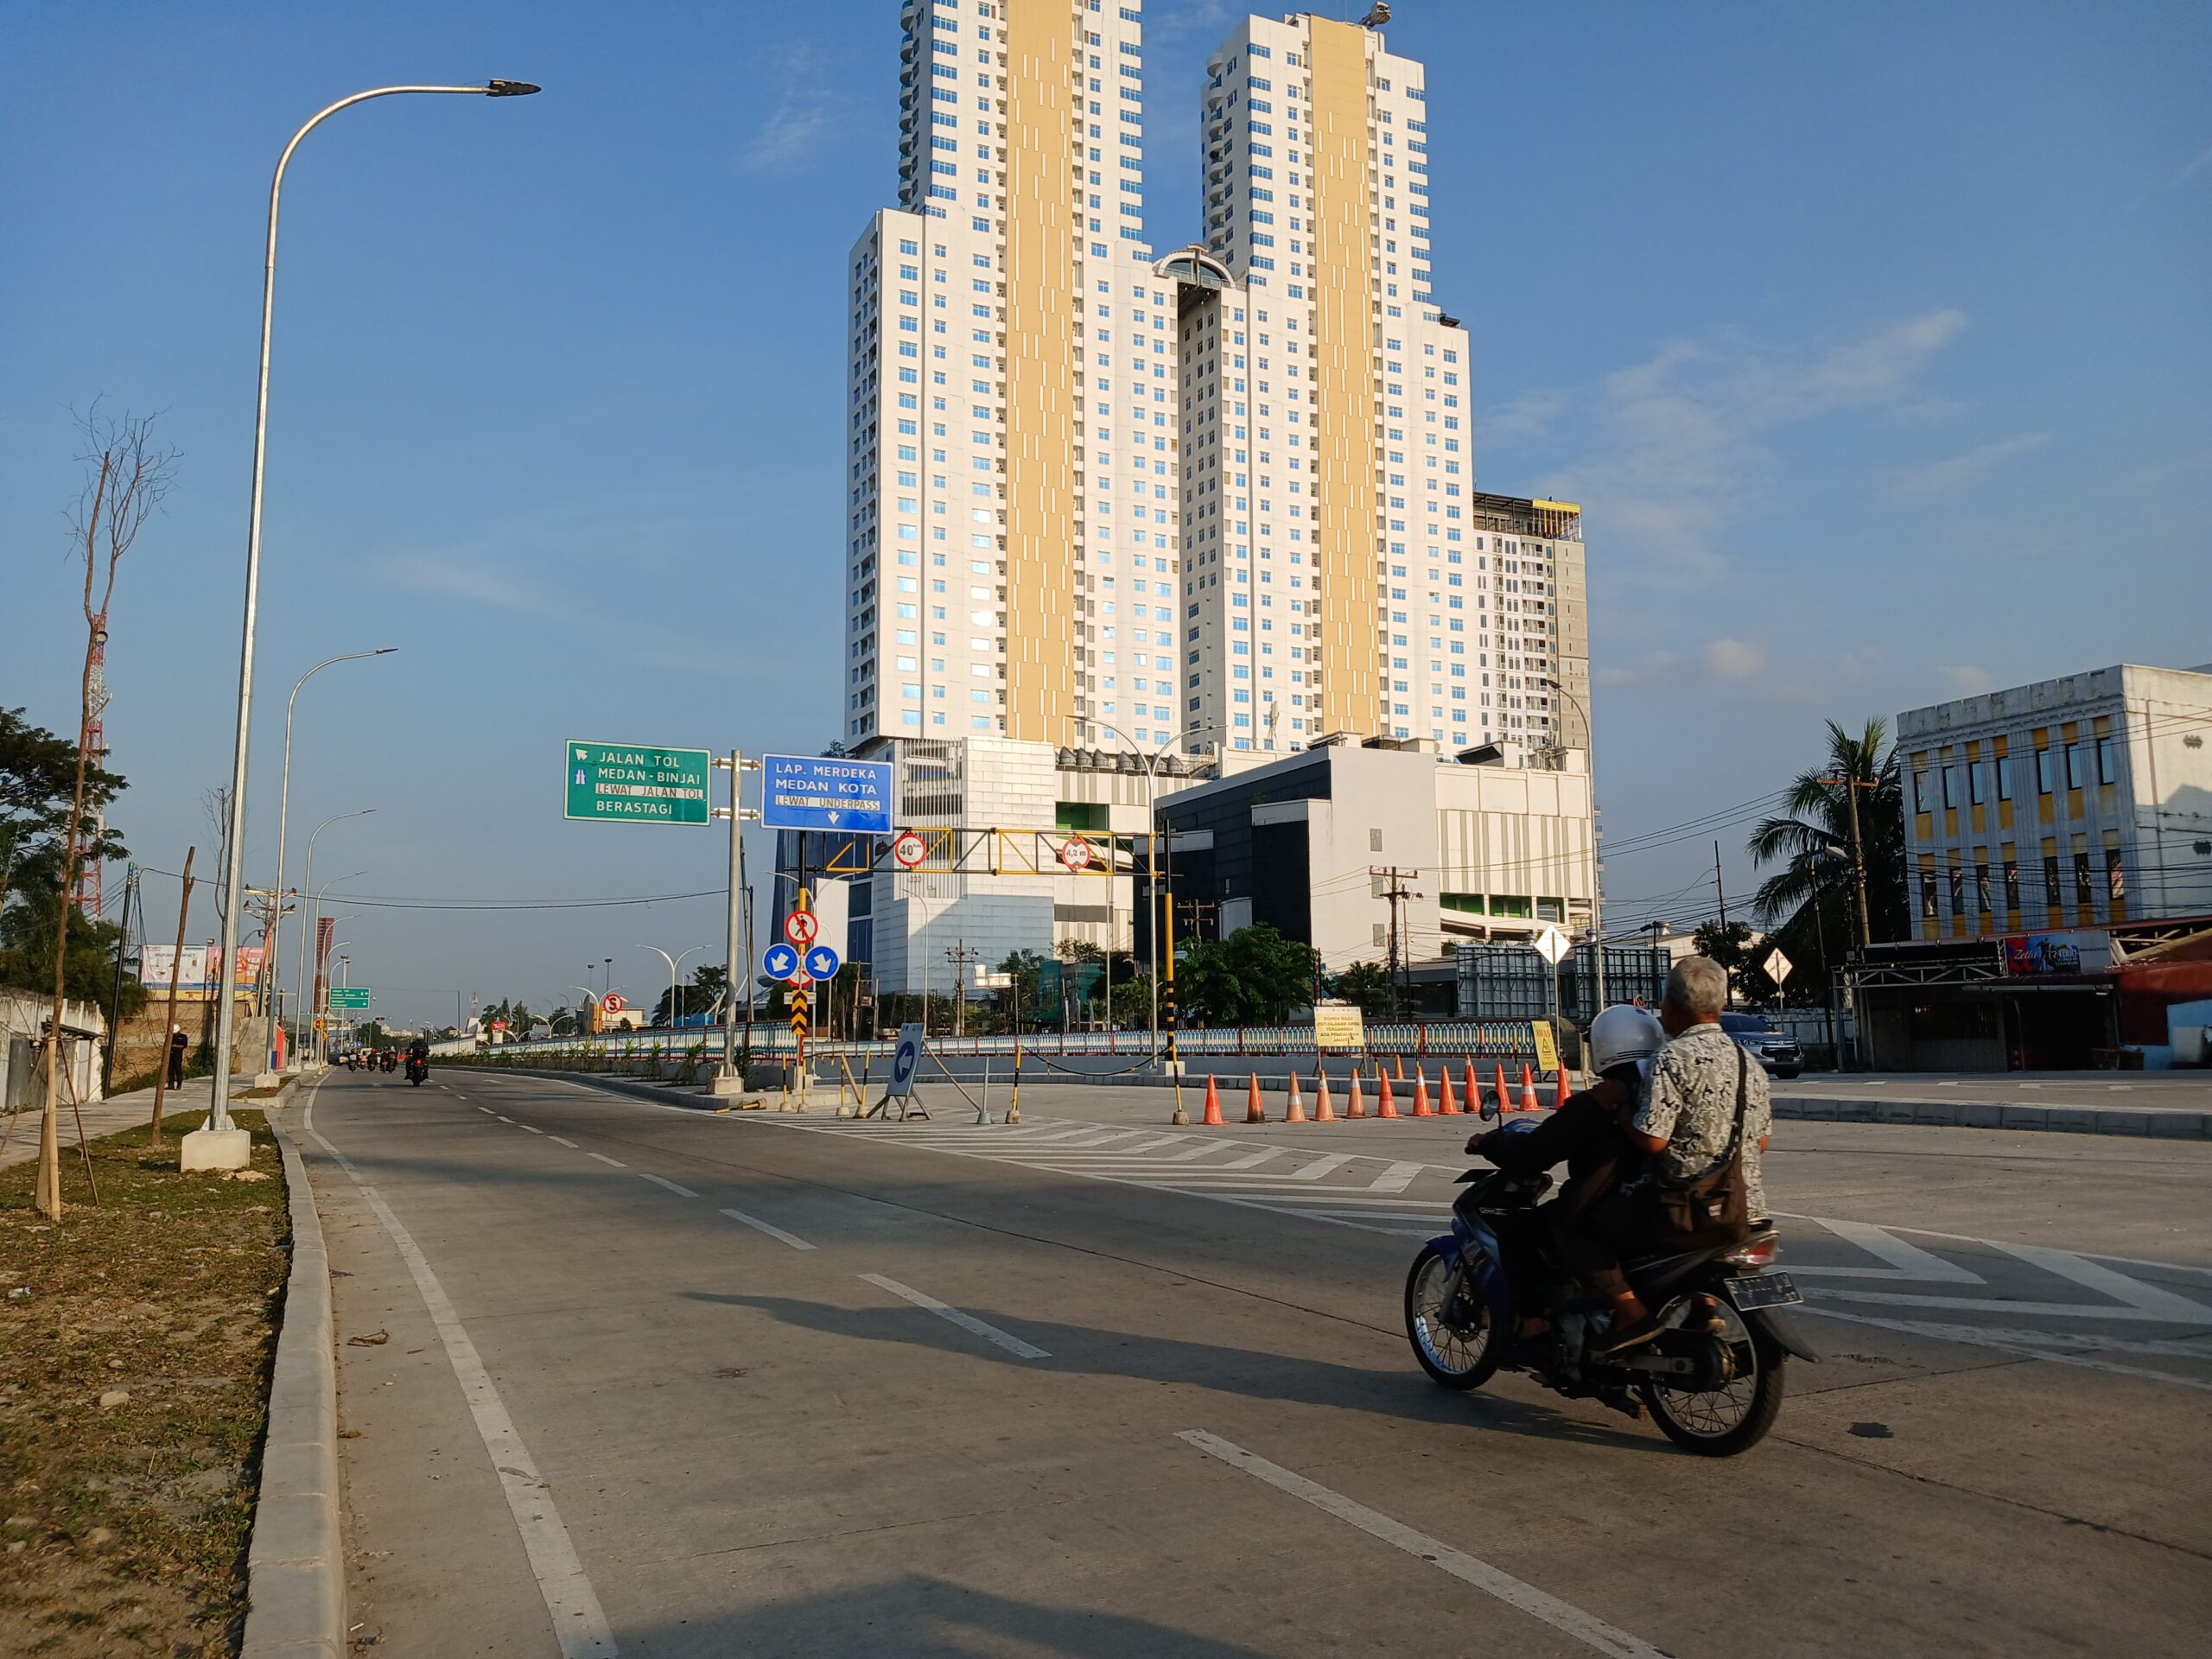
(1765, 1290)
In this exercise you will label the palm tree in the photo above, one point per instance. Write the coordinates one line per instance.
(1814, 844)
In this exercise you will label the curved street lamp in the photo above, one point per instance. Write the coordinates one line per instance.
(673, 963)
(218, 1111)
(283, 813)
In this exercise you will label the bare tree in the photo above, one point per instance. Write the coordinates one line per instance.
(126, 475)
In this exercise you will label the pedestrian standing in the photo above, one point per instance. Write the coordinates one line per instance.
(176, 1056)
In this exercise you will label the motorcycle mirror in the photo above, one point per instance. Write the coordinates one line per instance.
(1489, 1111)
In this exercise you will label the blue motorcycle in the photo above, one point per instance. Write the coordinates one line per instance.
(1713, 1379)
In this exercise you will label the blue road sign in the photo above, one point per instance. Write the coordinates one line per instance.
(822, 961)
(779, 960)
(821, 791)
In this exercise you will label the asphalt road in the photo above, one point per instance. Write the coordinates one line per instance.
(651, 1379)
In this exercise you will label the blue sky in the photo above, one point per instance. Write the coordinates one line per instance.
(1876, 341)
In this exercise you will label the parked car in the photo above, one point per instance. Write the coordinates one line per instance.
(1765, 1042)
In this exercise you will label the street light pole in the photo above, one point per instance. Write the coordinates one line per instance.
(219, 1114)
(1597, 880)
(307, 885)
(268, 1078)
(1151, 869)
(672, 962)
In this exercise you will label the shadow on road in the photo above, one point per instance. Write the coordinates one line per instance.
(918, 1617)
(1246, 1373)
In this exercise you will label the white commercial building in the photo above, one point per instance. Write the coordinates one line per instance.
(2076, 802)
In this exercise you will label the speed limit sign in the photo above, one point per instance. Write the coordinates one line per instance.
(909, 849)
(1076, 854)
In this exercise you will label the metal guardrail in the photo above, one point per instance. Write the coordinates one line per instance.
(1475, 1039)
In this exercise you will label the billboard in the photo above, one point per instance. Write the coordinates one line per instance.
(197, 967)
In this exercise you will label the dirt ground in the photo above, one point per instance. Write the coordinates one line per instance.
(135, 1339)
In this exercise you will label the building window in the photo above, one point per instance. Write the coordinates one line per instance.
(2052, 894)
(1950, 786)
(2043, 771)
(1981, 888)
(1973, 783)
(2115, 876)
(2081, 879)
(2004, 777)
(1958, 890)
(1920, 803)
(1928, 896)
(2106, 763)
(2074, 766)
(2012, 884)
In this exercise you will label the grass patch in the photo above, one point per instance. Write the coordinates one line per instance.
(124, 1528)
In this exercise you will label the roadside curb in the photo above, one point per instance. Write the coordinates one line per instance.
(295, 1566)
(1998, 1115)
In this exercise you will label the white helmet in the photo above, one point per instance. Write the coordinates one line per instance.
(1623, 1034)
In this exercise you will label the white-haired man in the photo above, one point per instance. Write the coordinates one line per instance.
(1686, 1121)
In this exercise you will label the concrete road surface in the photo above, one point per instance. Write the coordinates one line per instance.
(630, 1377)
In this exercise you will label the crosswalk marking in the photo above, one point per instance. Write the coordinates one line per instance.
(1253, 1160)
(1396, 1179)
(1320, 1166)
(1905, 1261)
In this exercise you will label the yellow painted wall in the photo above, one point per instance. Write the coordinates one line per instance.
(1340, 279)
(1042, 401)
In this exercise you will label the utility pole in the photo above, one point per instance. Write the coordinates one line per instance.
(1719, 887)
(738, 937)
(960, 955)
(1850, 787)
(168, 1017)
(1396, 892)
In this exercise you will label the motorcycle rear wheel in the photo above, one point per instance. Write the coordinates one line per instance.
(1727, 1421)
(1456, 1356)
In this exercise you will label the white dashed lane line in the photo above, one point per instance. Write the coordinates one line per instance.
(616, 1162)
(769, 1228)
(658, 1180)
(557, 1141)
(989, 1333)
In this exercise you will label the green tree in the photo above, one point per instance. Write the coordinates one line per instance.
(1732, 948)
(38, 775)
(1254, 977)
(700, 995)
(1367, 985)
(1812, 842)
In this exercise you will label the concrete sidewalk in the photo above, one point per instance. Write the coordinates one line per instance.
(104, 1117)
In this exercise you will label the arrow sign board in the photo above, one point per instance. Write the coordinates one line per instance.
(1776, 965)
(905, 1060)
(822, 791)
(822, 963)
(1551, 944)
(779, 960)
(636, 783)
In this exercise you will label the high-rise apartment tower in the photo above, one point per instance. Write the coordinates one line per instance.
(1012, 536)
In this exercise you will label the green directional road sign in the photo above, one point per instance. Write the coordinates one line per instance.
(637, 783)
(345, 998)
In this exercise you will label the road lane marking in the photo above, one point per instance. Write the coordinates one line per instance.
(1319, 1167)
(2147, 1299)
(769, 1228)
(1976, 1337)
(1251, 1159)
(604, 1159)
(658, 1181)
(503, 1118)
(1396, 1179)
(579, 1623)
(990, 1333)
(487, 1111)
(1905, 1261)
(1563, 1616)
(557, 1141)
(533, 1131)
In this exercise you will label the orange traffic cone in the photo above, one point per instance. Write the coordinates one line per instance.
(1212, 1119)
(1296, 1113)
(1401, 1067)
(1322, 1112)
(1528, 1091)
(1421, 1108)
(1254, 1112)
(1504, 1100)
(1444, 1104)
(1474, 1091)
(1388, 1107)
(1357, 1107)
(1559, 1097)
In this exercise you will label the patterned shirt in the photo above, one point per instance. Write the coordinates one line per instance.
(1690, 1098)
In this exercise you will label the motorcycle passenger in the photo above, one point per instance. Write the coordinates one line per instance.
(1685, 1122)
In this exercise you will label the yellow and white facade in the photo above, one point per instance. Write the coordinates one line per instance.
(1328, 469)
(1013, 550)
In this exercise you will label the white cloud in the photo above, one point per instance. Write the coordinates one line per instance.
(1732, 659)
(1954, 472)
(1678, 444)
(805, 110)
(444, 574)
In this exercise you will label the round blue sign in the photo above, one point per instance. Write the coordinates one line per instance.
(779, 960)
(822, 961)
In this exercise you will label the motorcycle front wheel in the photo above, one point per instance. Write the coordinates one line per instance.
(1732, 1418)
(1450, 1324)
